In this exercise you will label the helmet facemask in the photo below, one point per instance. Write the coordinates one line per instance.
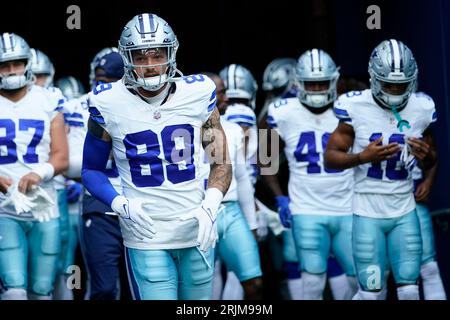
(135, 61)
(392, 94)
(14, 81)
(317, 98)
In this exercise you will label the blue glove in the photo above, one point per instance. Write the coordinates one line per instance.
(283, 210)
(74, 191)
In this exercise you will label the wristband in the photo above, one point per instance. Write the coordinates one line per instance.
(46, 171)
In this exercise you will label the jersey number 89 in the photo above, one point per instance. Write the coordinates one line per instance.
(143, 150)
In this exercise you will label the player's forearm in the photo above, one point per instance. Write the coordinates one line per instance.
(271, 181)
(95, 158)
(430, 174)
(59, 160)
(336, 159)
(220, 177)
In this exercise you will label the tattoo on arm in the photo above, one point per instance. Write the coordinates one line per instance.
(215, 144)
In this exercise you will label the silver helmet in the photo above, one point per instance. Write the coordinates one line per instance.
(392, 63)
(143, 32)
(41, 64)
(95, 61)
(316, 65)
(14, 47)
(239, 83)
(70, 87)
(279, 74)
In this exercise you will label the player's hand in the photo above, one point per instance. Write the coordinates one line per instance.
(376, 153)
(419, 148)
(283, 211)
(74, 191)
(5, 183)
(423, 191)
(263, 229)
(133, 209)
(28, 181)
(207, 228)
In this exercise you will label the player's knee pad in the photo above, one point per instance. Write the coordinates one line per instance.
(408, 292)
(42, 287)
(313, 285)
(14, 294)
(408, 272)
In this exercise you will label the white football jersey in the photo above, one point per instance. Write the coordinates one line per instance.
(25, 138)
(244, 116)
(157, 152)
(313, 189)
(389, 178)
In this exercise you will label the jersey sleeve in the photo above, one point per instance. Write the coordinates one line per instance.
(208, 97)
(241, 115)
(428, 107)
(95, 110)
(273, 118)
(342, 110)
(57, 102)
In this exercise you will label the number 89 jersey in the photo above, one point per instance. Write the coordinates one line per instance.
(313, 189)
(387, 178)
(157, 152)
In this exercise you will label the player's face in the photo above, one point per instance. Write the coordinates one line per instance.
(317, 86)
(150, 62)
(394, 88)
(222, 99)
(41, 79)
(12, 67)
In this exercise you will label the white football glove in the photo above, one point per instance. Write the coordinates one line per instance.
(207, 228)
(406, 157)
(262, 231)
(271, 217)
(43, 204)
(133, 209)
(17, 200)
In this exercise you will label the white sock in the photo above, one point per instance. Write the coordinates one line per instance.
(383, 293)
(339, 287)
(408, 292)
(33, 296)
(233, 289)
(295, 288)
(14, 294)
(433, 289)
(313, 285)
(217, 282)
(367, 295)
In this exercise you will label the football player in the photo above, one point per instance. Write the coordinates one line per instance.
(156, 123)
(386, 129)
(318, 207)
(35, 149)
(237, 247)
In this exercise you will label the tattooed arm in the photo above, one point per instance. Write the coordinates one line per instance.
(215, 144)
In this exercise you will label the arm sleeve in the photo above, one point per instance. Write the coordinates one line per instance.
(95, 158)
(245, 188)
